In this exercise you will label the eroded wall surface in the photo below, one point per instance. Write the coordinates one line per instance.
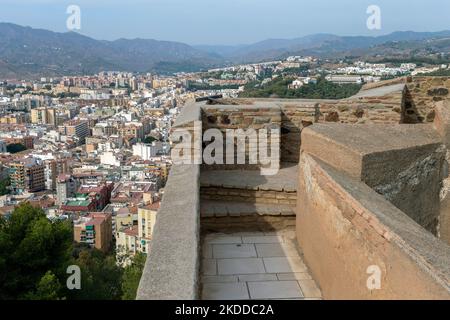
(404, 163)
(421, 95)
(347, 232)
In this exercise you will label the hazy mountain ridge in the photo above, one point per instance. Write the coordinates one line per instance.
(27, 52)
(323, 45)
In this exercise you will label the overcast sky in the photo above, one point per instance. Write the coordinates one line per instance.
(227, 21)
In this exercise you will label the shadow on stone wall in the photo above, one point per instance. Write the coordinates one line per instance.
(409, 114)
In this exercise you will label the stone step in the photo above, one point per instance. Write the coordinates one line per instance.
(210, 208)
(250, 196)
(284, 181)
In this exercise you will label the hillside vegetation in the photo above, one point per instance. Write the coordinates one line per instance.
(323, 89)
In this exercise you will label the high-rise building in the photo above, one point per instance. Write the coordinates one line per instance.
(44, 115)
(54, 167)
(137, 238)
(95, 230)
(146, 151)
(78, 129)
(15, 118)
(66, 186)
(132, 129)
(27, 174)
(146, 223)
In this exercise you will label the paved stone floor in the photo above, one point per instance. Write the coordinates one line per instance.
(254, 265)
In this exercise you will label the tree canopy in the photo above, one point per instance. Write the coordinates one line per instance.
(15, 147)
(150, 139)
(132, 275)
(30, 247)
(35, 253)
(4, 184)
(323, 89)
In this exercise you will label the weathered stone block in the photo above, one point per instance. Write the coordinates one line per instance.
(401, 162)
(442, 121)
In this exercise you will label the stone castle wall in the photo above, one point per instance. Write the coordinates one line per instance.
(442, 126)
(421, 95)
(295, 117)
(298, 114)
(415, 104)
(383, 110)
(245, 117)
(350, 236)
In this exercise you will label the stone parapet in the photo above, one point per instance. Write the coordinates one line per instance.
(442, 121)
(404, 163)
(172, 268)
(442, 126)
(359, 246)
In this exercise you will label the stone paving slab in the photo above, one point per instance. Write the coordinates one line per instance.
(240, 266)
(274, 290)
(284, 264)
(254, 265)
(268, 250)
(225, 291)
(234, 251)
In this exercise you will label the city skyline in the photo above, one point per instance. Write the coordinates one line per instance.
(196, 24)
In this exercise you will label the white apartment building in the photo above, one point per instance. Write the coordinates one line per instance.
(109, 158)
(147, 151)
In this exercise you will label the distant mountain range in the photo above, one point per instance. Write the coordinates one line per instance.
(326, 45)
(26, 52)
